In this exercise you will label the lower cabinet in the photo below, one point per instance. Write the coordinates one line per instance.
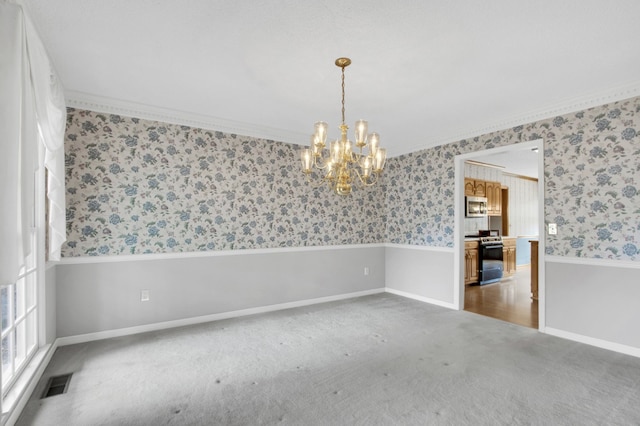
(508, 257)
(470, 262)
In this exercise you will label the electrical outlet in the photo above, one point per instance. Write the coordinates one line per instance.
(366, 270)
(553, 229)
(144, 296)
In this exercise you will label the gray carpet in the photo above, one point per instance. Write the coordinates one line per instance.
(376, 360)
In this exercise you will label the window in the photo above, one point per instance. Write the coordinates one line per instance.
(19, 322)
(19, 303)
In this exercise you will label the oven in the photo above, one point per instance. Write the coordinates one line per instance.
(490, 260)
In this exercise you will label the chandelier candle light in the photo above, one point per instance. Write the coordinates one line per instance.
(343, 165)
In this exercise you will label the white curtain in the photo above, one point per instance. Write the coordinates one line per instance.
(32, 111)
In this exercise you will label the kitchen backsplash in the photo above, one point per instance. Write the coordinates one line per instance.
(473, 224)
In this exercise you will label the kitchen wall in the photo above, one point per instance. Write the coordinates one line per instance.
(474, 224)
(523, 206)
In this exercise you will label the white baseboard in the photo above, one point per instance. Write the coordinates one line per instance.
(21, 391)
(82, 338)
(604, 344)
(420, 298)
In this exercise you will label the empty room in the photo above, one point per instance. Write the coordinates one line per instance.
(320, 213)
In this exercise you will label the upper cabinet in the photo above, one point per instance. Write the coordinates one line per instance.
(494, 198)
(491, 190)
(475, 187)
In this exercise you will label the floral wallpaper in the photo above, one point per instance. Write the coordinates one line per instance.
(592, 183)
(136, 186)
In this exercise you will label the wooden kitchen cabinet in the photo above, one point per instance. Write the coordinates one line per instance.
(475, 187)
(494, 198)
(470, 262)
(469, 186)
(508, 256)
(491, 190)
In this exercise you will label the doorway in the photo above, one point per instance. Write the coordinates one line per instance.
(509, 299)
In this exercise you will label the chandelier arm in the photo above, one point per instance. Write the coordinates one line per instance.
(315, 184)
(363, 182)
(322, 163)
(358, 158)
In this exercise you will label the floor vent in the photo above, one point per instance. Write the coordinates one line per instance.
(57, 385)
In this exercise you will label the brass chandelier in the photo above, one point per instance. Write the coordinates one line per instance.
(344, 166)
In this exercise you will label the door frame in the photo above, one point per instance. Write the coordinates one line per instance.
(458, 281)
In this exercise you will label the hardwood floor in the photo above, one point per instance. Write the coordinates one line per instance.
(508, 300)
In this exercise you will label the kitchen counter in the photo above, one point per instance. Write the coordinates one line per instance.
(478, 238)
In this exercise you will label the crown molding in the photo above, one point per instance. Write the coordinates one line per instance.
(131, 109)
(614, 94)
(106, 105)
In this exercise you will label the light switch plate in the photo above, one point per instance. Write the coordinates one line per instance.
(553, 229)
(144, 295)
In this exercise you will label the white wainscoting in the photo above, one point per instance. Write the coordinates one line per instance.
(421, 273)
(105, 295)
(71, 340)
(594, 301)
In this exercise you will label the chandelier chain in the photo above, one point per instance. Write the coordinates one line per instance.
(343, 120)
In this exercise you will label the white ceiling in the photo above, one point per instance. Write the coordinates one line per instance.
(424, 72)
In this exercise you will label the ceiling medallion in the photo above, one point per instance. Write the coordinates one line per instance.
(344, 165)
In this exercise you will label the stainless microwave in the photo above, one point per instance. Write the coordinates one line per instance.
(475, 207)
